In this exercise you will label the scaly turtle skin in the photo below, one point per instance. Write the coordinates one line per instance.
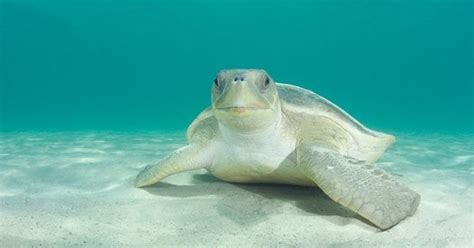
(259, 131)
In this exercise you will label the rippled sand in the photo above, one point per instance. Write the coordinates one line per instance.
(75, 188)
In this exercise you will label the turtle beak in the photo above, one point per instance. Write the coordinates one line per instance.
(242, 95)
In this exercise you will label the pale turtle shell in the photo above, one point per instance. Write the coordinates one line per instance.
(364, 143)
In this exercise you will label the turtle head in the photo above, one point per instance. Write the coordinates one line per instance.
(245, 100)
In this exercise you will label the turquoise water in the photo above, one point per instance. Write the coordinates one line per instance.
(121, 65)
(92, 91)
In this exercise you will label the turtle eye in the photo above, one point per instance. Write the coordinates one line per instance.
(266, 83)
(217, 83)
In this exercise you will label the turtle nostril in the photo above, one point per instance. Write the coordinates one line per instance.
(238, 78)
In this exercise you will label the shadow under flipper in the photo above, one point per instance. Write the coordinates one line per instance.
(240, 206)
(311, 200)
(250, 204)
(205, 178)
(184, 191)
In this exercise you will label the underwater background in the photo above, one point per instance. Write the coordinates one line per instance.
(121, 65)
(93, 90)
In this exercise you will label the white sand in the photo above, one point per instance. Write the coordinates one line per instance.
(75, 189)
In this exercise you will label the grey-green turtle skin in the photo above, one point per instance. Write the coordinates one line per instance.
(260, 131)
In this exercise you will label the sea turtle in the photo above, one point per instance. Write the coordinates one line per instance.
(260, 131)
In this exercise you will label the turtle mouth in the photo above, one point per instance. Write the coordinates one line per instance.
(242, 109)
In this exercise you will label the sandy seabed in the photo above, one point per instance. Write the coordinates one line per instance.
(66, 189)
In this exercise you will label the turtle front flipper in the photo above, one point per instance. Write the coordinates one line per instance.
(357, 185)
(191, 157)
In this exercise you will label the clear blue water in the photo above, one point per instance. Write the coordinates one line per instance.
(91, 91)
(83, 64)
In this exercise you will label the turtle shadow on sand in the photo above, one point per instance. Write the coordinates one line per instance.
(250, 204)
